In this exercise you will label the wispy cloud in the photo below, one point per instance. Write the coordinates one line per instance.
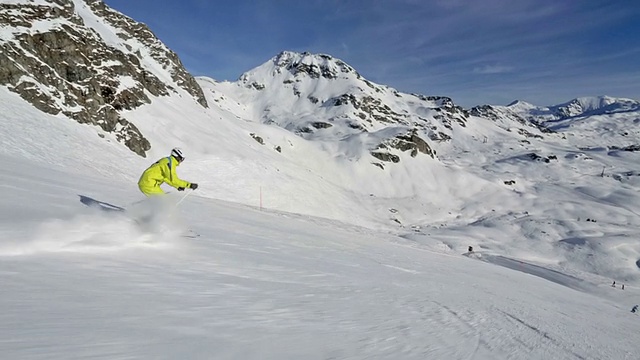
(492, 69)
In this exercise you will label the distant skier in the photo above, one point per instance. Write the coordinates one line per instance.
(164, 171)
(634, 309)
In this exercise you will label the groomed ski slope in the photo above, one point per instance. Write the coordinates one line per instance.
(80, 282)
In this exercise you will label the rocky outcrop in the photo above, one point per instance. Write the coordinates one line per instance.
(447, 110)
(410, 141)
(369, 109)
(327, 69)
(60, 64)
(130, 29)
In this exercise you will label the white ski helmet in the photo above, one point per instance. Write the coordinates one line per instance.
(178, 154)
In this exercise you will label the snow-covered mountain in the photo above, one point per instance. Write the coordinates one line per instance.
(324, 100)
(332, 102)
(332, 210)
(306, 133)
(87, 90)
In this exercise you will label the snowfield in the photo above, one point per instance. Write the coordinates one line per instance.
(85, 282)
(81, 279)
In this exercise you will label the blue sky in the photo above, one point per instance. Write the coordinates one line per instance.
(475, 51)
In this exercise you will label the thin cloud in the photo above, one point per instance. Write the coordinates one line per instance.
(492, 69)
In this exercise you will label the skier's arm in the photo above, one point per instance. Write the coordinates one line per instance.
(179, 183)
(174, 180)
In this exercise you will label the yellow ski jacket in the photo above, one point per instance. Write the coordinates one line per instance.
(162, 171)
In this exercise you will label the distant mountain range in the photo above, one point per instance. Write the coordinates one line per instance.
(583, 106)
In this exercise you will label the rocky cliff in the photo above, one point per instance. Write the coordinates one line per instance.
(86, 61)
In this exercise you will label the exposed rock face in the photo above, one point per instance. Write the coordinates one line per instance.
(55, 60)
(327, 70)
(410, 141)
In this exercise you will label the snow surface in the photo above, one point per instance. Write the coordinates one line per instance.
(306, 249)
(80, 282)
(84, 281)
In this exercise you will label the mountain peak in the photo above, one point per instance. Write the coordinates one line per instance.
(314, 65)
(295, 65)
(520, 105)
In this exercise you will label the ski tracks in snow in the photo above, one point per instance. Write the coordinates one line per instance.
(542, 336)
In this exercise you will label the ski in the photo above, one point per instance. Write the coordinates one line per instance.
(191, 234)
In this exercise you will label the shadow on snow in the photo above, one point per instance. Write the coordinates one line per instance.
(535, 270)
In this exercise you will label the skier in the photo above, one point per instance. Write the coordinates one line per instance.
(164, 171)
(634, 309)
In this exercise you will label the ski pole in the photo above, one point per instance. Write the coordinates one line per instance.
(184, 197)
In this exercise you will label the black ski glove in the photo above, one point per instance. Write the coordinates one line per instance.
(180, 189)
(193, 186)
